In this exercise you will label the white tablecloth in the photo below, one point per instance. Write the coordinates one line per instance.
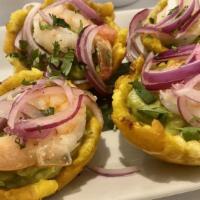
(7, 6)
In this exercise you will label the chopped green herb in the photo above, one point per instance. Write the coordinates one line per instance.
(190, 133)
(49, 111)
(56, 48)
(53, 73)
(67, 62)
(20, 142)
(54, 60)
(13, 55)
(44, 26)
(23, 45)
(148, 114)
(59, 22)
(147, 96)
(152, 20)
(26, 82)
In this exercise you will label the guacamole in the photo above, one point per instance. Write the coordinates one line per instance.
(145, 113)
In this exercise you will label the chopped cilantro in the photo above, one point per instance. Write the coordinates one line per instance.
(152, 20)
(23, 45)
(49, 111)
(56, 48)
(147, 96)
(26, 82)
(13, 55)
(67, 62)
(44, 26)
(190, 133)
(149, 113)
(54, 60)
(59, 22)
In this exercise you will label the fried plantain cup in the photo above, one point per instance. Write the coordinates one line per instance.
(154, 138)
(105, 10)
(44, 187)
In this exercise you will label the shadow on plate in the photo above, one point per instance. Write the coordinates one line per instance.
(101, 156)
(154, 169)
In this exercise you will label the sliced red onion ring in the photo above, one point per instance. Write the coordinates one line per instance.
(17, 40)
(113, 172)
(27, 96)
(87, 11)
(136, 22)
(178, 21)
(189, 90)
(51, 121)
(189, 110)
(27, 28)
(154, 79)
(46, 17)
(170, 16)
(84, 52)
(169, 100)
(66, 88)
(31, 112)
(178, 52)
(189, 23)
(5, 106)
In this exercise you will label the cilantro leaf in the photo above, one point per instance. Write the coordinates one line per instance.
(44, 26)
(190, 133)
(67, 62)
(49, 111)
(147, 96)
(23, 44)
(147, 114)
(59, 22)
(56, 48)
(26, 82)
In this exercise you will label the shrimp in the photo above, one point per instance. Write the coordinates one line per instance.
(66, 37)
(55, 149)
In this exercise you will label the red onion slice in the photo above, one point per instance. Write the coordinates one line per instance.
(169, 100)
(154, 79)
(27, 28)
(46, 17)
(132, 50)
(182, 51)
(177, 22)
(84, 53)
(189, 110)
(27, 96)
(113, 172)
(87, 11)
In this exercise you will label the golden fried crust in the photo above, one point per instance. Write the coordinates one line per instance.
(153, 139)
(44, 188)
(106, 11)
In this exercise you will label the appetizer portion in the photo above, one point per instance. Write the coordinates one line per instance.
(157, 107)
(76, 40)
(172, 23)
(49, 131)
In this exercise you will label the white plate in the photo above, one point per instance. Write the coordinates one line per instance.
(155, 179)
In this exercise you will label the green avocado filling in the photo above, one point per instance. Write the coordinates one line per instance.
(30, 175)
(145, 106)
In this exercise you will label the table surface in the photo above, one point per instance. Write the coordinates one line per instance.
(7, 6)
